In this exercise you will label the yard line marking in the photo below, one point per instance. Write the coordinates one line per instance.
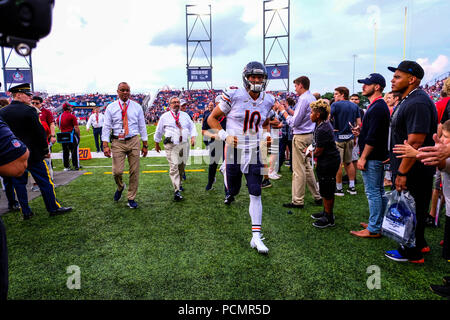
(195, 170)
(156, 171)
(87, 173)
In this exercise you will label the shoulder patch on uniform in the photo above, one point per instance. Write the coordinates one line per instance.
(16, 143)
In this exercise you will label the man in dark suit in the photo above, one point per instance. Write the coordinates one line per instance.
(23, 121)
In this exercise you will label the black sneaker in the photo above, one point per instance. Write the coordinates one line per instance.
(132, 204)
(228, 199)
(266, 184)
(446, 281)
(326, 221)
(28, 216)
(14, 207)
(352, 190)
(177, 196)
(318, 216)
(118, 193)
(339, 192)
(443, 291)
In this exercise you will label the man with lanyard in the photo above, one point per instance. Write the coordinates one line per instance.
(24, 122)
(303, 174)
(124, 120)
(96, 120)
(372, 142)
(247, 111)
(413, 120)
(176, 126)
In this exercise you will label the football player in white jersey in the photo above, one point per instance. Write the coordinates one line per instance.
(247, 112)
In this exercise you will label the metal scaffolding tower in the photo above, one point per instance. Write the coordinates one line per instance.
(15, 74)
(277, 31)
(198, 45)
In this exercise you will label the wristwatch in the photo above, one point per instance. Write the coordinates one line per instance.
(400, 174)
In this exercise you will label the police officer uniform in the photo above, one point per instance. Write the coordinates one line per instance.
(11, 149)
(23, 121)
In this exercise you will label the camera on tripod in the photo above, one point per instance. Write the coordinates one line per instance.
(23, 23)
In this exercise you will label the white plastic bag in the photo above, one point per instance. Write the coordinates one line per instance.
(399, 222)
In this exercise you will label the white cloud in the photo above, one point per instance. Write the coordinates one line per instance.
(435, 68)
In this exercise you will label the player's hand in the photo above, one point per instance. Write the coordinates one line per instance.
(268, 142)
(157, 147)
(405, 150)
(232, 140)
(361, 164)
(52, 140)
(107, 151)
(192, 141)
(144, 151)
(432, 156)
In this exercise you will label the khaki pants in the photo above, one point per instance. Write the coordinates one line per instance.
(302, 172)
(121, 150)
(177, 155)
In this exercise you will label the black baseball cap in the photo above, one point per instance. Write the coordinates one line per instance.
(411, 67)
(374, 78)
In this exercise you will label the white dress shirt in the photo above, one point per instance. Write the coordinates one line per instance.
(167, 127)
(113, 120)
(93, 121)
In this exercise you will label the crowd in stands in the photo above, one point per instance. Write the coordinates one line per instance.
(434, 88)
(197, 100)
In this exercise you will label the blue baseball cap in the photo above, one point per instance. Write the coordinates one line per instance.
(374, 78)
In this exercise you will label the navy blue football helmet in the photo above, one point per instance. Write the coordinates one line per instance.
(254, 68)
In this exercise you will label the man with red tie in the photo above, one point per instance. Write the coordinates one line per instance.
(124, 120)
(96, 120)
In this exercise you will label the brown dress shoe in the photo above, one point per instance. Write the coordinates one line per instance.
(364, 225)
(365, 234)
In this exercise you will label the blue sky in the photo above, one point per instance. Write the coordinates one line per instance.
(94, 45)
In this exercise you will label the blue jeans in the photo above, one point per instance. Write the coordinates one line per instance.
(373, 178)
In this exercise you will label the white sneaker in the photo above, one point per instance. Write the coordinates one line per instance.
(274, 176)
(257, 243)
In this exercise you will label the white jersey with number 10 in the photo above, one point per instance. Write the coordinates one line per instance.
(245, 116)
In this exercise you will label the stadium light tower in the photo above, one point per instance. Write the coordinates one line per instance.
(277, 31)
(16, 74)
(198, 45)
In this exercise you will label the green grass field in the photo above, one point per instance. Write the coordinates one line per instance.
(199, 248)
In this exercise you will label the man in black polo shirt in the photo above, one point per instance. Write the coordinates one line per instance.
(372, 143)
(414, 120)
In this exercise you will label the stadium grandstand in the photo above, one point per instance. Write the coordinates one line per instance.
(155, 105)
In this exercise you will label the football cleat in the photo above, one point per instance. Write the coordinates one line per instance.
(257, 243)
